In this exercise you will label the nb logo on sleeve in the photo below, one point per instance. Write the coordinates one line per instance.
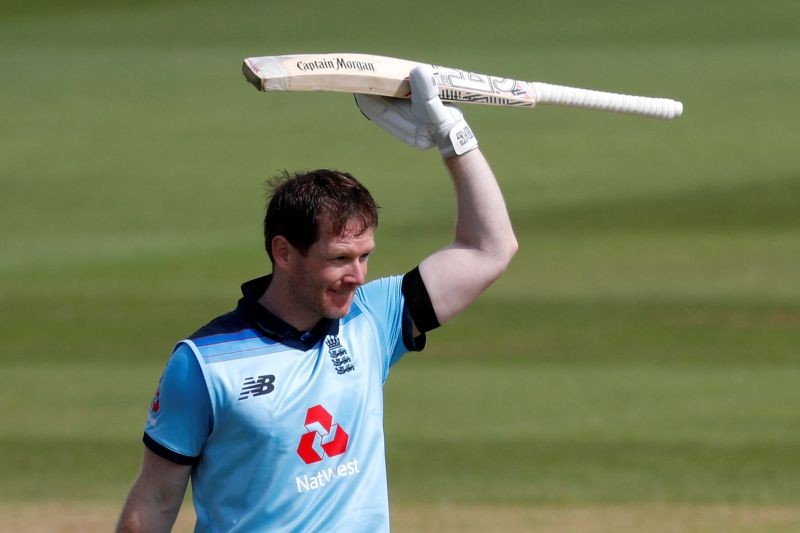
(257, 386)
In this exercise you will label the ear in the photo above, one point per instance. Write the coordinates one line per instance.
(281, 252)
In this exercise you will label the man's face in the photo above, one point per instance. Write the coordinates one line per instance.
(326, 278)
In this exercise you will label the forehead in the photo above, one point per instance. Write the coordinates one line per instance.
(352, 236)
(356, 226)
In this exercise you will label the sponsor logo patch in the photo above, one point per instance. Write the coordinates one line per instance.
(323, 477)
(323, 439)
(257, 386)
(155, 405)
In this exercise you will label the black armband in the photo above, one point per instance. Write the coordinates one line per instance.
(418, 302)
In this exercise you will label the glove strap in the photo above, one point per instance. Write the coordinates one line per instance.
(459, 141)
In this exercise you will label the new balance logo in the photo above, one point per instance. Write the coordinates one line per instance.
(257, 386)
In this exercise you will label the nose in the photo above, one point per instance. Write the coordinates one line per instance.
(357, 274)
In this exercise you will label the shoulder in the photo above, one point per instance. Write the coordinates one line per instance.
(381, 290)
(231, 329)
(227, 324)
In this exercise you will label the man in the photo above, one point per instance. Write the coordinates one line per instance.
(275, 410)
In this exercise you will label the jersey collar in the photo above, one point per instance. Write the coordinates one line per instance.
(273, 327)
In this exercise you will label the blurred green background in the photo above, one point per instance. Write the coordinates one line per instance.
(643, 346)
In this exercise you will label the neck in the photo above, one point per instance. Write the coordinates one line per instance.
(278, 300)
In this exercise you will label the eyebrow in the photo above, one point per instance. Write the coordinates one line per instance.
(340, 249)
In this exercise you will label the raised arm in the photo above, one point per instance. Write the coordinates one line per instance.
(484, 240)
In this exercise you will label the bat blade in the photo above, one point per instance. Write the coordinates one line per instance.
(350, 73)
(386, 76)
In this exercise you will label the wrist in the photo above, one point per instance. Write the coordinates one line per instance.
(457, 141)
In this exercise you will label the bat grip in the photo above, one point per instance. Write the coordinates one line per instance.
(663, 108)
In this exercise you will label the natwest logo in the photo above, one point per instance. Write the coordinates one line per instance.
(324, 438)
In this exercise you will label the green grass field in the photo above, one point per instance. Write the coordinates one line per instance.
(639, 362)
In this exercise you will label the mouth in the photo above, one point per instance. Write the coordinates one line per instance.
(342, 293)
(339, 302)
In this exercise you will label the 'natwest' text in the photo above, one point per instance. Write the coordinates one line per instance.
(323, 477)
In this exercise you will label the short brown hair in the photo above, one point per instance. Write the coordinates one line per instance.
(300, 202)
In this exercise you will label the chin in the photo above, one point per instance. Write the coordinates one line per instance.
(337, 309)
(337, 313)
(333, 311)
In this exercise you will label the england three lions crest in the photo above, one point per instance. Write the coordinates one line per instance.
(341, 360)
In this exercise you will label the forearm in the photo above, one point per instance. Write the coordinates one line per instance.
(143, 512)
(155, 497)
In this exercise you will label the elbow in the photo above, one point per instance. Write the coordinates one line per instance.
(513, 247)
(502, 255)
(508, 250)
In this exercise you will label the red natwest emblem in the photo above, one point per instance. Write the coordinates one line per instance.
(324, 438)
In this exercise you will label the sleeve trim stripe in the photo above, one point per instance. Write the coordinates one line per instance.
(166, 453)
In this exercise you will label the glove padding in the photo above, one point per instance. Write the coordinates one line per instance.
(424, 121)
(394, 115)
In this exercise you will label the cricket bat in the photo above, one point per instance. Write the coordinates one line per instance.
(388, 76)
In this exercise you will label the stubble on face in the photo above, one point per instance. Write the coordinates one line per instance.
(326, 277)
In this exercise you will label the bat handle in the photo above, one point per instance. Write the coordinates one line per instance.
(663, 108)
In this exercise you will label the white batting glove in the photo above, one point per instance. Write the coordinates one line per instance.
(450, 131)
(394, 115)
(423, 122)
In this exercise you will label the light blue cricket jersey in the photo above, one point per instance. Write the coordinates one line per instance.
(284, 428)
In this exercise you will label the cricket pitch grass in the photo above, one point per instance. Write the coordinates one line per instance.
(637, 367)
(93, 518)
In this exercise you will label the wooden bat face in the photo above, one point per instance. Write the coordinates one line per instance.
(384, 76)
(387, 76)
(352, 73)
